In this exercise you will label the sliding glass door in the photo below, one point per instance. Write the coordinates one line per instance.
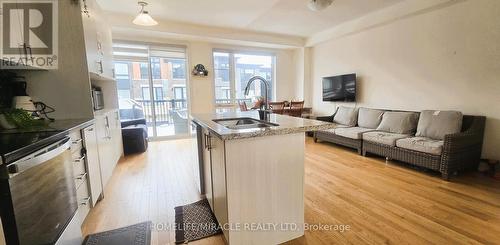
(152, 84)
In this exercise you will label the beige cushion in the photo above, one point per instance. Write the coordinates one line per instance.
(332, 130)
(346, 116)
(384, 137)
(422, 144)
(352, 133)
(437, 124)
(369, 118)
(399, 122)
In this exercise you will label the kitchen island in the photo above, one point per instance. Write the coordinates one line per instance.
(253, 173)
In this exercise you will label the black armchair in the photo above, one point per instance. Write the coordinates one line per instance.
(135, 136)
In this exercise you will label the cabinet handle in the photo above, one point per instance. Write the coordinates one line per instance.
(209, 142)
(81, 176)
(79, 159)
(85, 202)
(76, 142)
(100, 68)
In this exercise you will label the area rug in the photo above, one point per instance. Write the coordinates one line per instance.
(138, 234)
(195, 221)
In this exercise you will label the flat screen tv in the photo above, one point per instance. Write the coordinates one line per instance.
(340, 88)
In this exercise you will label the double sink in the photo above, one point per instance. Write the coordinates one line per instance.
(244, 123)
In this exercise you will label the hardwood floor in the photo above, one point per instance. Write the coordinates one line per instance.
(381, 203)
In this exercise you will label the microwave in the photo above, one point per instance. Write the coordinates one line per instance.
(97, 99)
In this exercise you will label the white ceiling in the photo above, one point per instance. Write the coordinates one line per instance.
(291, 17)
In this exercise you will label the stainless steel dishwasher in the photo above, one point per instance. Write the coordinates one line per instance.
(38, 195)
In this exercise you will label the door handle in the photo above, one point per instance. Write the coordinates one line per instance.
(205, 142)
(209, 142)
(38, 157)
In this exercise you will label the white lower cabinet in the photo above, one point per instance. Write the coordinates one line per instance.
(219, 182)
(116, 135)
(81, 176)
(95, 152)
(92, 163)
(84, 199)
(207, 169)
(265, 187)
(109, 143)
(215, 178)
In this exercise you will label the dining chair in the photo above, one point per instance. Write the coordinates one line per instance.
(277, 107)
(296, 108)
(243, 106)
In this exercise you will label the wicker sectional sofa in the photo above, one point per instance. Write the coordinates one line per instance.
(443, 141)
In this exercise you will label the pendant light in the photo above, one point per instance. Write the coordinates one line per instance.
(318, 5)
(144, 19)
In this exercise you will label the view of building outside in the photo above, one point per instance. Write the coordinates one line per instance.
(169, 79)
(152, 84)
(243, 66)
(222, 78)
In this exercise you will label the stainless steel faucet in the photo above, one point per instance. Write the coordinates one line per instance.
(266, 86)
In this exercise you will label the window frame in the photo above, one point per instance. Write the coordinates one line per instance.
(156, 67)
(156, 89)
(144, 70)
(181, 63)
(232, 73)
(183, 92)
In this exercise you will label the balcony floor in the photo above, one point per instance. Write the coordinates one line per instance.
(165, 130)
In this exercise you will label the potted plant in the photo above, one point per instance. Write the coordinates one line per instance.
(17, 118)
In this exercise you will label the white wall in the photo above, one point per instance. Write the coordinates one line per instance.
(441, 58)
(71, 77)
(202, 88)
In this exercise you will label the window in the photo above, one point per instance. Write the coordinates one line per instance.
(148, 76)
(156, 68)
(145, 93)
(121, 70)
(144, 70)
(232, 72)
(180, 93)
(222, 80)
(158, 92)
(123, 94)
(178, 69)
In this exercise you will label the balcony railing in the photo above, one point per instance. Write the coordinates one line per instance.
(230, 101)
(164, 110)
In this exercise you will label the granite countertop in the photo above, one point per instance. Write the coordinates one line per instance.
(16, 143)
(287, 125)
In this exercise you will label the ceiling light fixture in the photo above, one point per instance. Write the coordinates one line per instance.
(144, 19)
(318, 5)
